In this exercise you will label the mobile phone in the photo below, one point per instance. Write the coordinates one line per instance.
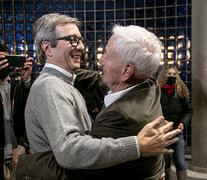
(15, 60)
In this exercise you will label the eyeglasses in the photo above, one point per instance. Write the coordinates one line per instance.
(74, 40)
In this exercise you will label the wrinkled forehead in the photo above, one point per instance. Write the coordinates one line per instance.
(110, 46)
(112, 40)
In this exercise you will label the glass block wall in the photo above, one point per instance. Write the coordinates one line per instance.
(170, 20)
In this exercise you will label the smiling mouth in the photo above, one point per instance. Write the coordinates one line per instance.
(78, 57)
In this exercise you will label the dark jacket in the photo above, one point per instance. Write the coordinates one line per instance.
(1, 139)
(126, 117)
(91, 82)
(19, 93)
(90, 85)
(177, 110)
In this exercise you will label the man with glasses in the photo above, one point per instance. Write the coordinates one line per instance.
(74, 40)
(56, 115)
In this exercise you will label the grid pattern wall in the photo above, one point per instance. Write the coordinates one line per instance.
(170, 20)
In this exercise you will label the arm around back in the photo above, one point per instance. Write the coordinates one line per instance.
(62, 129)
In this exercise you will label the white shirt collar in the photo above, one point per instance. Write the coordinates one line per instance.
(112, 97)
(68, 74)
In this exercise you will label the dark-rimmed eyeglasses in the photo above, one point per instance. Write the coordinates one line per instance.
(74, 40)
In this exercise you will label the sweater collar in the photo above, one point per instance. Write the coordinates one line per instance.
(70, 79)
(59, 69)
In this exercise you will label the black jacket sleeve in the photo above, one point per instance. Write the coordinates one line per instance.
(187, 111)
(114, 124)
(19, 94)
(91, 82)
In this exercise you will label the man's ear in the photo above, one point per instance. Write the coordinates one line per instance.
(128, 71)
(46, 47)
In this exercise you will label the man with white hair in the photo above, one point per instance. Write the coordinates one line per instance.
(131, 57)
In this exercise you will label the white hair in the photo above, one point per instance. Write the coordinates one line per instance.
(138, 46)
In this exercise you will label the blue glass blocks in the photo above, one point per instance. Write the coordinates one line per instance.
(59, 6)
(99, 5)
(170, 20)
(8, 37)
(20, 47)
(29, 17)
(29, 6)
(69, 6)
(49, 6)
(7, 5)
(19, 27)
(39, 6)
(19, 37)
(29, 37)
(19, 16)
(8, 26)
(109, 4)
(8, 16)
(100, 15)
(79, 6)
(89, 5)
(18, 6)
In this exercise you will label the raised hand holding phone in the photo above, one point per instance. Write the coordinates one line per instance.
(3, 61)
(26, 70)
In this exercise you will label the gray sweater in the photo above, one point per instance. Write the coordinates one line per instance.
(57, 118)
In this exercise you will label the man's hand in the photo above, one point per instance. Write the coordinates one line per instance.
(181, 126)
(154, 139)
(162, 177)
(16, 153)
(26, 70)
(2, 63)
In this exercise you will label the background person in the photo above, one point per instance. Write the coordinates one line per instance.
(93, 101)
(177, 108)
(92, 95)
(13, 96)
